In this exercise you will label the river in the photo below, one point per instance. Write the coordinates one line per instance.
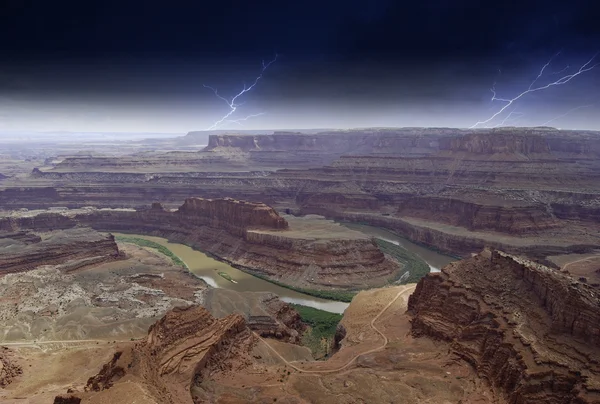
(435, 260)
(208, 268)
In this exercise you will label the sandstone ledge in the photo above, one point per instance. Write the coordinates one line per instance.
(532, 332)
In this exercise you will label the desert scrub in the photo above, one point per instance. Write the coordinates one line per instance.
(320, 335)
(338, 295)
(142, 242)
(415, 265)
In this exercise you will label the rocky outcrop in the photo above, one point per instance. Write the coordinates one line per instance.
(78, 247)
(9, 368)
(67, 399)
(46, 221)
(336, 143)
(530, 331)
(180, 350)
(512, 218)
(233, 215)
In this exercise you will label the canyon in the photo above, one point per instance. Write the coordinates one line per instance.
(74, 248)
(514, 321)
(309, 253)
(492, 328)
(531, 191)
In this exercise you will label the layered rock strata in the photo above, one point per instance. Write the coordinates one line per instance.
(22, 251)
(181, 348)
(530, 331)
(254, 237)
(539, 184)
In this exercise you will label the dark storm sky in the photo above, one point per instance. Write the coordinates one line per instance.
(140, 66)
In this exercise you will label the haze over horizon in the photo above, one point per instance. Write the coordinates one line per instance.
(113, 67)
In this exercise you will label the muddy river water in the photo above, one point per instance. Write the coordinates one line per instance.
(434, 259)
(209, 268)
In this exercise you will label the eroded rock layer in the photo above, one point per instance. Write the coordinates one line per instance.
(77, 247)
(453, 189)
(250, 235)
(532, 332)
(180, 349)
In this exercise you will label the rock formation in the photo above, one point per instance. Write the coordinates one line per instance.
(235, 216)
(77, 246)
(180, 349)
(532, 190)
(264, 312)
(9, 369)
(252, 236)
(530, 331)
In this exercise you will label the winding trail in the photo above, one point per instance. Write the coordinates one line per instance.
(401, 293)
(355, 357)
(579, 260)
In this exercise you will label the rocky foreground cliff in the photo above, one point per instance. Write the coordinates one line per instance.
(181, 348)
(532, 332)
(311, 253)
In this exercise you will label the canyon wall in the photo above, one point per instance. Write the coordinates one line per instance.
(541, 185)
(530, 331)
(180, 350)
(252, 236)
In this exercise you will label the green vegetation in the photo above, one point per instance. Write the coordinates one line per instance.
(321, 332)
(338, 295)
(226, 276)
(416, 267)
(142, 242)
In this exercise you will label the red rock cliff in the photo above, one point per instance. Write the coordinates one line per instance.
(181, 347)
(232, 213)
(532, 332)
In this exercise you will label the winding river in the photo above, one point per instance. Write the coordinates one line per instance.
(209, 268)
(435, 260)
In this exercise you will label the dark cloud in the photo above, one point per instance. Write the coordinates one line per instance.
(374, 56)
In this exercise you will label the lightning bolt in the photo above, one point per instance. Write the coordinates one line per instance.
(232, 103)
(518, 115)
(239, 121)
(567, 113)
(586, 67)
(561, 70)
